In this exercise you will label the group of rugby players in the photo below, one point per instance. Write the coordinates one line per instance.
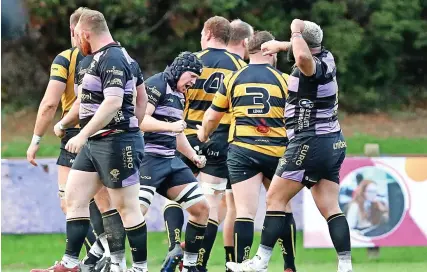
(205, 133)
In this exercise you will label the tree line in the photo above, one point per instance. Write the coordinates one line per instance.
(379, 45)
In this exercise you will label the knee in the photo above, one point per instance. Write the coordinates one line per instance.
(200, 210)
(274, 202)
(74, 203)
(329, 210)
(246, 212)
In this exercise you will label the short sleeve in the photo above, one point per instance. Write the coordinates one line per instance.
(154, 94)
(60, 66)
(220, 102)
(113, 76)
(325, 68)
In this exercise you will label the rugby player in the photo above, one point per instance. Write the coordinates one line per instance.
(161, 170)
(316, 148)
(217, 63)
(109, 145)
(240, 32)
(256, 95)
(61, 88)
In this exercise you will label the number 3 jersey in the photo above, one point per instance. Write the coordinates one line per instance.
(217, 63)
(256, 96)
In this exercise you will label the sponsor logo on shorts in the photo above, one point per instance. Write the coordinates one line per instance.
(71, 160)
(170, 100)
(302, 154)
(133, 249)
(115, 174)
(145, 177)
(127, 157)
(309, 179)
(340, 144)
(212, 153)
(282, 162)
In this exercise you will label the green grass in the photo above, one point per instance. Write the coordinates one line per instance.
(23, 252)
(49, 147)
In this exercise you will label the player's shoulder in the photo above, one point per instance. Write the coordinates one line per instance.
(63, 58)
(156, 83)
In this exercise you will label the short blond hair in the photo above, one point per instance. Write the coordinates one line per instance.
(75, 16)
(93, 21)
(219, 27)
(240, 31)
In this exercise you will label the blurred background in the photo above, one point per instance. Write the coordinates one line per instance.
(379, 45)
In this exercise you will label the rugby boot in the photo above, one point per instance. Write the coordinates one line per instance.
(87, 267)
(202, 269)
(57, 267)
(252, 265)
(103, 265)
(173, 259)
(136, 269)
(190, 269)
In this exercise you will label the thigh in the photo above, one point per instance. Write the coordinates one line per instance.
(83, 161)
(281, 191)
(81, 187)
(246, 196)
(333, 149)
(153, 173)
(301, 162)
(240, 166)
(325, 195)
(117, 158)
(216, 150)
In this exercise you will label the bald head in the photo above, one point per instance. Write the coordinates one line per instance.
(240, 31)
(93, 21)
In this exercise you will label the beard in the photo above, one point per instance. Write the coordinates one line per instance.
(84, 47)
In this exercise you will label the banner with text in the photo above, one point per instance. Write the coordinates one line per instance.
(384, 200)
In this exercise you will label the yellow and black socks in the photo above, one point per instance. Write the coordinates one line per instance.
(174, 220)
(90, 239)
(243, 238)
(229, 254)
(340, 234)
(137, 237)
(287, 242)
(194, 235)
(207, 244)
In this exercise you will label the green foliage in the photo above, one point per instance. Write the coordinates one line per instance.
(379, 46)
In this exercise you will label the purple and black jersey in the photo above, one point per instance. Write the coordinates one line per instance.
(109, 72)
(312, 104)
(169, 107)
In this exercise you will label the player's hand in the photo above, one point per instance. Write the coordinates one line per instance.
(201, 134)
(273, 47)
(31, 153)
(199, 160)
(59, 131)
(76, 143)
(178, 126)
(297, 25)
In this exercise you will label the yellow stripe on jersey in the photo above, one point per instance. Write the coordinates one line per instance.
(59, 71)
(256, 95)
(218, 63)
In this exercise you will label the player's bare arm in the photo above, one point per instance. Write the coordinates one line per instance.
(210, 122)
(303, 57)
(45, 115)
(141, 103)
(151, 124)
(184, 147)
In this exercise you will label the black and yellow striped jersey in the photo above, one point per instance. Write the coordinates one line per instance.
(217, 63)
(256, 96)
(63, 69)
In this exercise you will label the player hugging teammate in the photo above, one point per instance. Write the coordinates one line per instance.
(234, 126)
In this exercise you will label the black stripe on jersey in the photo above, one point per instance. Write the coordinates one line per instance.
(63, 61)
(160, 139)
(63, 80)
(262, 140)
(202, 105)
(292, 121)
(320, 103)
(164, 118)
(255, 121)
(248, 100)
(218, 109)
(221, 128)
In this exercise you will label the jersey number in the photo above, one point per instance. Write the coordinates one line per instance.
(261, 97)
(214, 82)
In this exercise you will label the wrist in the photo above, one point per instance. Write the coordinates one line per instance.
(36, 139)
(61, 125)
